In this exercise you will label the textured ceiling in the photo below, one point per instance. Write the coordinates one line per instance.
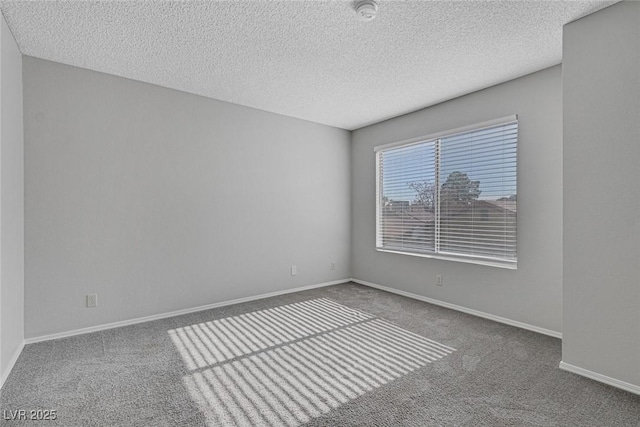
(308, 59)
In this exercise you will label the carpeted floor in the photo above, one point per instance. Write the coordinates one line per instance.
(340, 355)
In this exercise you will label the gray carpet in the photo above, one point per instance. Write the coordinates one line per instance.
(341, 355)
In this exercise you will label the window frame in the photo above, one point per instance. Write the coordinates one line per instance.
(465, 258)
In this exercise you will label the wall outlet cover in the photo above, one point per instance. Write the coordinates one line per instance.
(92, 300)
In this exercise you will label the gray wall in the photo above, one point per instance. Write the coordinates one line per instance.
(11, 201)
(601, 92)
(533, 293)
(159, 200)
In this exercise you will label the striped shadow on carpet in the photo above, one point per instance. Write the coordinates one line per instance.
(289, 364)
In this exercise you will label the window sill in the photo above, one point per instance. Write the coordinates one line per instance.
(469, 260)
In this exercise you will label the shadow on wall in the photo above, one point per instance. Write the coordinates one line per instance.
(289, 364)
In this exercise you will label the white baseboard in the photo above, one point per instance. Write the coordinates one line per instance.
(600, 378)
(493, 317)
(177, 313)
(12, 363)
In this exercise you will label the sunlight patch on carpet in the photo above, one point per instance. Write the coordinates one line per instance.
(289, 364)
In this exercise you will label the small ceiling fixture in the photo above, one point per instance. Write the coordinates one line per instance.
(366, 10)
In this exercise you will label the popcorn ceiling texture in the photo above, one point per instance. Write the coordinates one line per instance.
(307, 59)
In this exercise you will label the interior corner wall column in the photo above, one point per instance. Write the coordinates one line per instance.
(601, 238)
(11, 203)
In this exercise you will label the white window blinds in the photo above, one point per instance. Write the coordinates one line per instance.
(454, 195)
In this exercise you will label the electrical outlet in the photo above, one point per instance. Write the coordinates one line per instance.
(294, 270)
(333, 265)
(438, 279)
(92, 300)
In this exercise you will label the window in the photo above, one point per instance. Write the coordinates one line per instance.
(452, 195)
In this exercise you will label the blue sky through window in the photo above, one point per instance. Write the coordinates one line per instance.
(487, 156)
